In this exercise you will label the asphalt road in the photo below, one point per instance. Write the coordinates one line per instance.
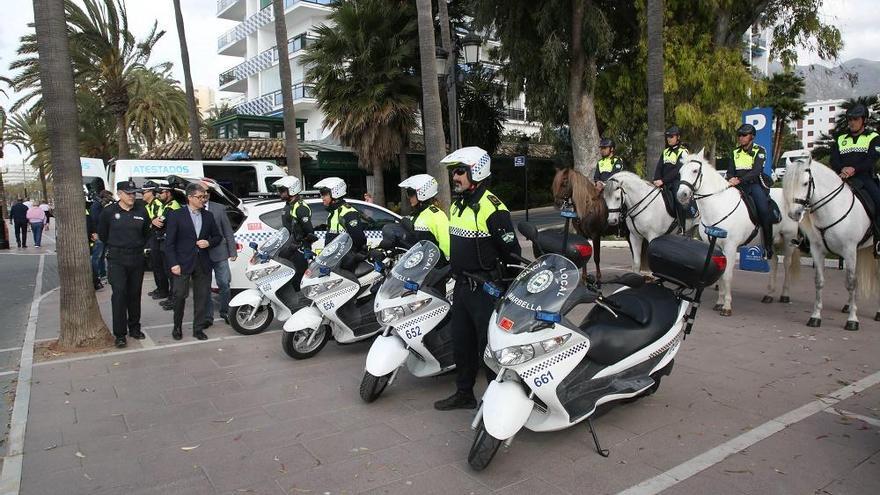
(546, 216)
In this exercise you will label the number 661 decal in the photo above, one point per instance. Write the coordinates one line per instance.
(543, 379)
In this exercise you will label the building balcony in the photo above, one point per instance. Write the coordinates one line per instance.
(228, 43)
(261, 62)
(234, 10)
(270, 102)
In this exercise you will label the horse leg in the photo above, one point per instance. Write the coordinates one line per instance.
(771, 282)
(635, 247)
(597, 255)
(725, 294)
(849, 257)
(819, 268)
(787, 266)
(719, 286)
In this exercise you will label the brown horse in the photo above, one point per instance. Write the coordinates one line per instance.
(592, 222)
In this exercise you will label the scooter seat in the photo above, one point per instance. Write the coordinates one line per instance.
(644, 315)
(362, 269)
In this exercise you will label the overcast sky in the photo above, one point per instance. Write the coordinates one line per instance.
(857, 20)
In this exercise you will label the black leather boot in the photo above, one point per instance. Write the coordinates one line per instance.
(461, 399)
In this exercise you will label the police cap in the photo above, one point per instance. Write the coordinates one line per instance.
(128, 186)
(606, 143)
(857, 111)
(745, 130)
(673, 131)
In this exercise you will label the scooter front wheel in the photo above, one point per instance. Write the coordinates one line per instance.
(373, 386)
(304, 344)
(483, 449)
(262, 318)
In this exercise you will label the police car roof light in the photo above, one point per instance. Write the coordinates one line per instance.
(548, 316)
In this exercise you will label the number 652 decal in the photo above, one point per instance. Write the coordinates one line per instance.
(543, 379)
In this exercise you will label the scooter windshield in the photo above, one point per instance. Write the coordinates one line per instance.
(411, 270)
(536, 296)
(330, 257)
(273, 244)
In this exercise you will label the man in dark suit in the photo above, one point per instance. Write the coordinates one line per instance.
(190, 233)
(18, 214)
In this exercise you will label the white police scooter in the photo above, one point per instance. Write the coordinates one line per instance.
(274, 295)
(553, 373)
(413, 306)
(342, 303)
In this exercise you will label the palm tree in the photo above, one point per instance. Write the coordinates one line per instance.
(81, 322)
(157, 108)
(435, 147)
(215, 113)
(785, 91)
(654, 20)
(291, 148)
(105, 57)
(363, 69)
(2, 133)
(823, 145)
(481, 103)
(27, 133)
(195, 137)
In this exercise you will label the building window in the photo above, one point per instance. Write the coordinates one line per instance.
(810, 145)
(831, 120)
(810, 122)
(809, 133)
(800, 123)
(811, 110)
(831, 108)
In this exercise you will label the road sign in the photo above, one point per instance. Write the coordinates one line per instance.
(762, 119)
(519, 161)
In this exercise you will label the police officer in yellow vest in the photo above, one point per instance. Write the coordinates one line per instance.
(746, 171)
(430, 222)
(608, 165)
(153, 205)
(481, 238)
(296, 217)
(854, 156)
(666, 173)
(166, 204)
(341, 216)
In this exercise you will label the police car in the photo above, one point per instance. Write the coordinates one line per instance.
(263, 218)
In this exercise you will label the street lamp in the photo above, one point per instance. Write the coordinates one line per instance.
(472, 43)
(440, 59)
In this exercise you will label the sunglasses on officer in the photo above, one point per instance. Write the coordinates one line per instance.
(410, 192)
(459, 170)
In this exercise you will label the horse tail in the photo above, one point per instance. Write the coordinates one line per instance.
(866, 273)
(794, 267)
(644, 256)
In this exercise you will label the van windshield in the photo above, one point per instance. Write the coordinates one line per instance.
(240, 179)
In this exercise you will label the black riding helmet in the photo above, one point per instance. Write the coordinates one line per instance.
(745, 130)
(857, 111)
(673, 131)
(606, 143)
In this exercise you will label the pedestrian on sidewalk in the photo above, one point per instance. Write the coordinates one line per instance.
(221, 255)
(18, 214)
(123, 228)
(189, 234)
(36, 217)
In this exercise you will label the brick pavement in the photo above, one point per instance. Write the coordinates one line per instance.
(237, 416)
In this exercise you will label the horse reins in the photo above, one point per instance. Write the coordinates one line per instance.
(812, 207)
(625, 210)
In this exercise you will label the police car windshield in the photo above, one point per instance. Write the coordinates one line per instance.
(543, 286)
(271, 245)
(332, 254)
(412, 267)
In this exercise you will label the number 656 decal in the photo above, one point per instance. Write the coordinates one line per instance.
(543, 379)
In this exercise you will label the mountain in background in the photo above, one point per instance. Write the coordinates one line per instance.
(856, 77)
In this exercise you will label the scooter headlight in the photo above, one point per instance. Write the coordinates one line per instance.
(316, 290)
(261, 272)
(389, 315)
(554, 343)
(512, 356)
(415, 306)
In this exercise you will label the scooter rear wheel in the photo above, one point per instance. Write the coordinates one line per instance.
(483, 449)
(372, 386)
(295, 344)
(257, 324)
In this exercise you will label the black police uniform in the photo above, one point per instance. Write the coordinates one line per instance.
(297, 219)
(125, 232)
(747, 164)
(668, 170)
(476, 246)
(861, 153)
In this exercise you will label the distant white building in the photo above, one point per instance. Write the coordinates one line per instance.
(205, 98)
(756, 51)
(821, 118)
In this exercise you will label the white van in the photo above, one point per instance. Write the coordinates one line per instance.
(785, 159)
(93, 168)
(241, 178)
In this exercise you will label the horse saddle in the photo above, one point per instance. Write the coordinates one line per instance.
(859, 191)
(672, 204)
(775, 213)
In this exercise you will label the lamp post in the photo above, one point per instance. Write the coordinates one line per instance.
(446, 71)
(472, 44)
(522, 150)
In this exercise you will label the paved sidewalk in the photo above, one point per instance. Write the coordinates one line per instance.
(238, 416)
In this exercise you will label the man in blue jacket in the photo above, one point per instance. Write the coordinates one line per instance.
(190, 232)
(18, 214)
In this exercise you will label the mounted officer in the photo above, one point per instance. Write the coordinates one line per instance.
(608, 165)
(666, 173)
(746, 172)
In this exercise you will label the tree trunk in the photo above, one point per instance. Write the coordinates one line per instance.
(452, 66)
(581, 107)
(379, 184)
(403, 164)
(194, 135)
(435, 147)
(121, 132)
(291, 148)
(41, 170)
(656, 117)
(81, 322)
(777, 140)
(3, 214)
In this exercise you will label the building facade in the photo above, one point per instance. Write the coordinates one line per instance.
(821, 118)
(256, 78)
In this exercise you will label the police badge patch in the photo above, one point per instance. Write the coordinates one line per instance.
(117, 216)
(353, 223)
(508, 237)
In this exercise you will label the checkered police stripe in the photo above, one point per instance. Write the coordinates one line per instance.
(470, 234)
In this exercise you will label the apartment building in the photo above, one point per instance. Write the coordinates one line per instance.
(821, 118)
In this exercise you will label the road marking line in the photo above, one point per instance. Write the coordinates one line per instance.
(9, 349)
(148, 341)
(10, 478)
(5, 373)
(846, 414)
(714, 456)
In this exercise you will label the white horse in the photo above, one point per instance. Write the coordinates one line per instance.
(835, 222)
(641, 205)
(721, 205)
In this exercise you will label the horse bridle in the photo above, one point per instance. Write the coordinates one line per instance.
(624, 210)
(811, 188)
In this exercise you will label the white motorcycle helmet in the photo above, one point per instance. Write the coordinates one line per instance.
(334, 184)
(475, 158)
(291, 183)
(424, 185)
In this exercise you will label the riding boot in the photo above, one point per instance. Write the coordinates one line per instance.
(767, 231)
(680, 217)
